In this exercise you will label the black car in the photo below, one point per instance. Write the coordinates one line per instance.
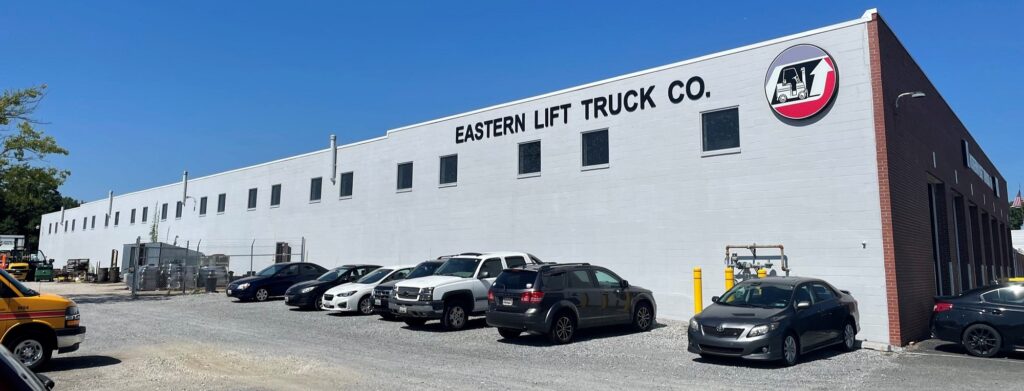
(558, 299)
(15, 376)
(775, 318)
(273, 281)
(986, 321)
(309, 294)
(383, 291)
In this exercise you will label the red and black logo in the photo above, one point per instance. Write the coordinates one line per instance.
(801, 81)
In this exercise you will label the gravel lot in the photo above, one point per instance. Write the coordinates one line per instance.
(208, 342)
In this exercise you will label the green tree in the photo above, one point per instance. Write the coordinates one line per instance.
(1016, 217)
(28, 185)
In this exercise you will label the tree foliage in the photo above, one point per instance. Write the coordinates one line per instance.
(1016, 217)
(28, 184)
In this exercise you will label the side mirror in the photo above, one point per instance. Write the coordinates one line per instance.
(624, 284)
(485, 274)
(803, 305)
(714, 299)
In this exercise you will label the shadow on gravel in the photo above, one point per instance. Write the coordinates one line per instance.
(269, 300)
(114, 298)
(346, 314)
(821, 354)
(66, 363)
(581, 335)
(954, 348)
(435, 327)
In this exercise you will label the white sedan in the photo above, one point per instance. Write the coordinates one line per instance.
(358, 296)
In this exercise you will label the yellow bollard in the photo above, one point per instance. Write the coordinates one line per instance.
(762, 273)
(730, 278)
(698, 300)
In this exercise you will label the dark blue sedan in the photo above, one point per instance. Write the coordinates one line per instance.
(273, 281)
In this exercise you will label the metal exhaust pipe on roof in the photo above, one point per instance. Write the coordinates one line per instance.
(334, 158)
(184, 188)
(110, 203)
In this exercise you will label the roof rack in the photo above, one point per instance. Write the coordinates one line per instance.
(549, 265)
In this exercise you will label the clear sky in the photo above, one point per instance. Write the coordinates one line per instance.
(140, 90)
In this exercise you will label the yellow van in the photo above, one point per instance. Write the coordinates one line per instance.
(33, 324)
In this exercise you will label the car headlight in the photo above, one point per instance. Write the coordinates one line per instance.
(426, 294)
(763, 329)
(242, 286)
(347, 294)
(694, 326)
(307, 289)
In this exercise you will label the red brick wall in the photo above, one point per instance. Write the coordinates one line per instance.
(921, 139)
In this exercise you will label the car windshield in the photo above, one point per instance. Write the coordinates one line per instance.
(424, 269)
(758, 294)
(374, 276)
(25, 291)
(458, 267)
(332, 274)
(272, 269)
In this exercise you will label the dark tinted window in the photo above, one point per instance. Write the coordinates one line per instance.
(374, 276)
(580, 279)
(163, 211)
(310, 270)
(221, 200)
(605, 280)
(529, 157)
(315, 185)
(399, 275)
(177, 210)
(405, 176)
(145, 215)
(202, 208)
(721, 129)
(252, 199)
(595, 148)
(275, 195)
(424, 269)
(516, 279)
(131, 218)
(803, 293)
(821, 293)
(514, 262)
(117, 218)
(758, 295)
(346, 184)
(449, 169)
(292, 270)
(492, 267)
(1008, 295)
(93, 225)
(553, 281)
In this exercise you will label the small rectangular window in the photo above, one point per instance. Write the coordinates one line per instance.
(315, 186)
(131, 217)
(163, 212)
(73, 225)
(405, 176)
(202, 206)
(449, 170)
(117, 218)
(721, 129)
(93, 225)
(49, 228)
(145, 213)
(221, 201)
(65, 226)
(252, 198)
(85, 223)
(275, 195)
(346, 184)
(529, 157)
(106, 221)
(177, 210)
(595, 148)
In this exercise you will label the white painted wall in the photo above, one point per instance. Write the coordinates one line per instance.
(659, 210)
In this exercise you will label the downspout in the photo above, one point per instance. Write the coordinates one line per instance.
(334, 158)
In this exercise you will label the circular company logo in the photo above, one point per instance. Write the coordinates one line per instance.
(801, 81)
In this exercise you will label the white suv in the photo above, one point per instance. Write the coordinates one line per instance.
(456, 291)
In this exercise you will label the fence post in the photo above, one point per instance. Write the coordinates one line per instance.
(730, 278)
(698, 300)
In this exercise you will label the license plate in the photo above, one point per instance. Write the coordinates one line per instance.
(506, 301)
(402, 310)
(376, 301)
(229, 291)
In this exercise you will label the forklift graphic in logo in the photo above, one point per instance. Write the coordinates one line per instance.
(801, 82)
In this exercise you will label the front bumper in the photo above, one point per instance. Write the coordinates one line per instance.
(243, 294)
(417, 309)
(766, 347)
(301, 299)
(70, 338)
(340, 303)
(527, 321)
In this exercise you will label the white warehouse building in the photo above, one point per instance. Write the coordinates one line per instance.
(831, 142)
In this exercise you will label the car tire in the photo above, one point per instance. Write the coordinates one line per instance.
(509, 333)
(318, 303)
(643, 317)
(365, 305)
(31, 348)
(414, 323)
(981, 340)
(388, 317)
(790, 350)
(261, 295)
(563, 328)
(454, 317)
(849, 335)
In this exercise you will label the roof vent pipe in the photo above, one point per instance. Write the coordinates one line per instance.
(334, 158)
(110, 203)
(184, 188)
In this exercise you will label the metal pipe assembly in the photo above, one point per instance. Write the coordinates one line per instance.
(748, 269)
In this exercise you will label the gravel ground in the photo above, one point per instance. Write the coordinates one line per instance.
(208, 342)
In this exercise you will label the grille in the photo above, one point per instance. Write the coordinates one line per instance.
(328, 297)
(381, 293)
(408, 293)
(719, 349)
(727, 332)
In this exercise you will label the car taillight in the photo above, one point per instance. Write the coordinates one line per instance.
(942, 307)
(490, 296)
(532, 297)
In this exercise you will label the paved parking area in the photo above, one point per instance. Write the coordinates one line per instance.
(208, 342)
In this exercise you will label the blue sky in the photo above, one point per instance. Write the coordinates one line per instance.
(139, 91)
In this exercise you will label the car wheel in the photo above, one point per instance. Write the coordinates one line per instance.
(318, 303)
(365, 305)
(31, 349)
(849, 337)
(262, 294)
(790, 350)
(508, 333)
(454, 316)
(982, 340)
(643, 317)
(563, 329)
(415, 322)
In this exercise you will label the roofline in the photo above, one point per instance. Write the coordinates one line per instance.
(866, 17)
